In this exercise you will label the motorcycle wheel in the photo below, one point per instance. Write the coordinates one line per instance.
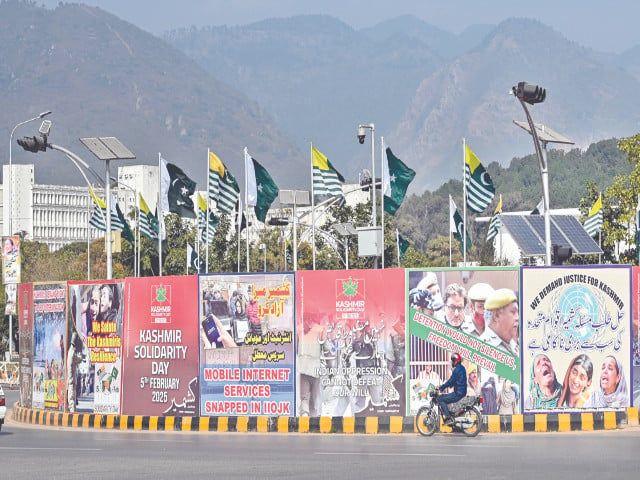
(472, 422)
(427, 421)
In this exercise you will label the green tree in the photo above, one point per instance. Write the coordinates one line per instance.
(621, 200)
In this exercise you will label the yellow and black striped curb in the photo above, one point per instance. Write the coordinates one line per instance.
(560, 422)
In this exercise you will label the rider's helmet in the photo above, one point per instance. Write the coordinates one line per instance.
(455, 360)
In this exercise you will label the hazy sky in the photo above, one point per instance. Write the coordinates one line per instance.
(602, 25)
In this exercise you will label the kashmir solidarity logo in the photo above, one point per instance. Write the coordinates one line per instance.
(161, 303)
(350, 298)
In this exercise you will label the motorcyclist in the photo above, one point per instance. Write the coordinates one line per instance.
(458, 381)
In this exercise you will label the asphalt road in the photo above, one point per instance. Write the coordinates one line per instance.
(47, 452)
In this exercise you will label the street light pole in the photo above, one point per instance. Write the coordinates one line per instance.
(42, 115)
(534, 94)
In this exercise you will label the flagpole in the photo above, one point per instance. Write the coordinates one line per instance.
(187, 265)
(313, 212)
(89, 236)
(450, 219)
(239, 227)
(246, 201)
(160, 214)
(382, 194)
(464, 203)
(138, 238)
(398, 245)
(206, 247)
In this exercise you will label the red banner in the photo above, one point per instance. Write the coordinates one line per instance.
(160, 371)
(350, 342)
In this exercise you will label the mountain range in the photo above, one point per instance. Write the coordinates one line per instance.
(276, 86)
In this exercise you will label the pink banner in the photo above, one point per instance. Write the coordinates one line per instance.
(350, 342)
(160, 371)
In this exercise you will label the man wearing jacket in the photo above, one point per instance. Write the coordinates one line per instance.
(458, 381)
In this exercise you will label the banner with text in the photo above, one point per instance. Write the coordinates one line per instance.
(635, 336)
(49, 340)
(160, 366)
(94, 346)
(576, 337)
(350, 342)
(25, 336)
(246, 327)
(10, 260)
(447, 314)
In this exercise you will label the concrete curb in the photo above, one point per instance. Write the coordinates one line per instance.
(561, 422)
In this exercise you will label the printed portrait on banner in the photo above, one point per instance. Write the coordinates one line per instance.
(246, 326)
(474, 312)
(94, 347)
(350, 338)
(576, 337)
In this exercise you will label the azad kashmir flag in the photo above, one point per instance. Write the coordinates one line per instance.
(222, 186)
(495, 224)
(261, 189)
(456, 225)
(479, 186)
(593, 223)
(206, 234)
(327, 181)
(148, 222)
(99, 216)
(396, 177)
(176, 190)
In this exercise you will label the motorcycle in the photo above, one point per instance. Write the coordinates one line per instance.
(466, 413)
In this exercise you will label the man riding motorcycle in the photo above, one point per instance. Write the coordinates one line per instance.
(458, 381)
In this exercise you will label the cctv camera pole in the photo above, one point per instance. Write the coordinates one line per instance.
(361, 135)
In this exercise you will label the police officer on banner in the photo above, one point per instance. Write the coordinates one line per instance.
(502, 320)
(474, 323)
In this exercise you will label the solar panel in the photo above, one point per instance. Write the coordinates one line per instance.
(581, 242)
(528, 241)
(557, 238)
(528, 232)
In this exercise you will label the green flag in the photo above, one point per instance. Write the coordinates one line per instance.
(176, 190)
(327, 181)
(206, 234)
(593, 223)
(99, 216)
(403, 245)
(479, 186)
(396, 177)
(222, 187)
(261, 189)
(456, 225)
(495, 224)
(148, 222)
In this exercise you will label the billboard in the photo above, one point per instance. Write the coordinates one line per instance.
(246, 325)
(350, 342)
(49, 340)
(94, 346)
(25, 338)
(576, 337)
(447, 314)
(10, 260)
(635, 338)
(160, 365)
